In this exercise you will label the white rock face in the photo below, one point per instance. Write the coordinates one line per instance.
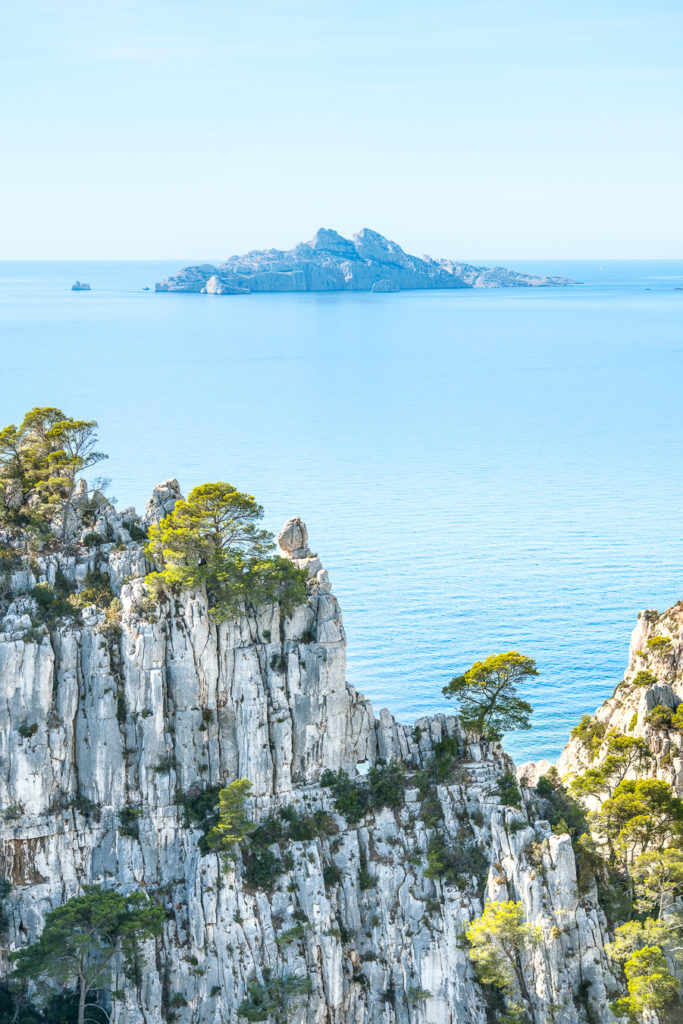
(329, 262)
(657, 649)
(176, 704)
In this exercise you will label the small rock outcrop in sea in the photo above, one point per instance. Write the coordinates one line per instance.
(118, 726)
(80, 286)
(330, 262)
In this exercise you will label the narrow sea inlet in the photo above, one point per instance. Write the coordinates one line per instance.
(479, 470)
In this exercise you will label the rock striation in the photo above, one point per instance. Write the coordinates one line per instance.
(330, 262)
(100, 722)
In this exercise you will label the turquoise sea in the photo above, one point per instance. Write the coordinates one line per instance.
(479, 470)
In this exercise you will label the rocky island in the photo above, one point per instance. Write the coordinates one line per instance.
(329, 262)
(188, 757)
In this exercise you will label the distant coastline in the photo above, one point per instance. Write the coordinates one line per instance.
(329, 262)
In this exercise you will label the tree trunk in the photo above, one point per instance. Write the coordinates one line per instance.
(523, 988)
(81, 999)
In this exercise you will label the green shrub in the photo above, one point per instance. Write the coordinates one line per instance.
(457, 864)
(130, 822)
(660, 717)
(366, 880)
(262, 869)
(559, 806)
(509, 790)
(200, 808)
(291, 935)
(590, 732)
(644, 678)
(384, 787)
(272, 999)
(659, 644)
(331, 874)
(96, 590)
(26, 731)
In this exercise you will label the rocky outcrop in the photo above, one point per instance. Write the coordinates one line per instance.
(102, 721)
(653, 679)
(329, 262)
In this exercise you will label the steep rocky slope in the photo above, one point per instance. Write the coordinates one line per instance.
(653, 679)
(111, 726)
(329, 262)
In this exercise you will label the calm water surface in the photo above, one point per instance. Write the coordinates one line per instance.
(479, 470)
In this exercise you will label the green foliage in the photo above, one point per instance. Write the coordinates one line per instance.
(302, 827)
(26, 731)
(416, 995)
(565, 814)
(200, 808)
(17, 1008)
(457, 864)
(291, 935)
(644, 678)
(273, 999)
(509, 790)
(130, 822)
(212, 540)
(233, 822)
(659, 644)
(659, 880)
(366, 880)
(660, 717)
(82, 937)
(640, 814)
(40, 461)
(331, 874)
(353, 798)
(96, 590)
(590, 733)
(651, 986)
(487, 694)
(447, 753)
(624, 755)
(497, 940)
(262, 869)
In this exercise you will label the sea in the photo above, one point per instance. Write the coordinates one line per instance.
(479, 470)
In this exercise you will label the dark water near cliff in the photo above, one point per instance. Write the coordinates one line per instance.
(479, 470)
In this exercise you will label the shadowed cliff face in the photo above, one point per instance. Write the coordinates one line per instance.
(102, 719)
(329, 262)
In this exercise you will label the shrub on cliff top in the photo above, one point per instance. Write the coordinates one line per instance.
(212, 540)
(39, 464)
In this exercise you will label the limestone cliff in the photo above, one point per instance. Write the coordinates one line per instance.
(329, 262)
(652, 680)
(110, 724)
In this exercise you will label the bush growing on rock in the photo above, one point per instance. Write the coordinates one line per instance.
(212, 540)
(274, 998)
(590, 733)
(39, 463)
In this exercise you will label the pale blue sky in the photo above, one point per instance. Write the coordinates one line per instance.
(475, 130)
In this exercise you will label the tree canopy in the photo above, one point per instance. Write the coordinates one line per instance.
(624, 754)
(40, 461)
(234, 824)
(497, 940)
(641, 813)
(213, 540)
(487, 694)
(82, 937)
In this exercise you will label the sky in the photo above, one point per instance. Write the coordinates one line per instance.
(176, 129)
